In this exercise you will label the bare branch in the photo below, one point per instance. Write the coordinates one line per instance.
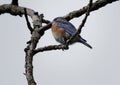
(95, 6)
(37, 23)
(28, 23)
(82, 24)
(44, 28)
(46, 21)
(51, 47)
(18, 10)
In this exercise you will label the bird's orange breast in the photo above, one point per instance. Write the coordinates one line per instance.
(57, 31)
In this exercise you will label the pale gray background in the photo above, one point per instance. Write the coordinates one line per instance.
(77, 66)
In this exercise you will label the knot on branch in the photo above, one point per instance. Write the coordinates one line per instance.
(15, 2)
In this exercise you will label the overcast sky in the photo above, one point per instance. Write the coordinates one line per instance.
(77, 66)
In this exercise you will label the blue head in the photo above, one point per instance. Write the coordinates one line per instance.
(57, 19)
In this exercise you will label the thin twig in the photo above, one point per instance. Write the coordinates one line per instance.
(81, 25)
(28, 23)
(50, 47)
(46, 21)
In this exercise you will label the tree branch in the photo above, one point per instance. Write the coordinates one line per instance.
(28, 23)
(82, 24)
(50, 47)
(37, 23)
(95, 6)
(18, 10)
(15, 2)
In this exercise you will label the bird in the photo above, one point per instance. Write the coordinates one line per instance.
(62, 30)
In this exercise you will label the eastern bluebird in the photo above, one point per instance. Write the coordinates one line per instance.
(62, 30)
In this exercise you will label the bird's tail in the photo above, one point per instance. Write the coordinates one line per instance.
(83, 41)
(86, 44)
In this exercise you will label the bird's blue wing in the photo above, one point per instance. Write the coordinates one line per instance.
(67, 26)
